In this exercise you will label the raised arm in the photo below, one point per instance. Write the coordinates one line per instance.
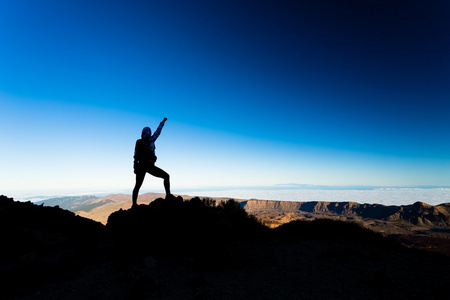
(158, 130)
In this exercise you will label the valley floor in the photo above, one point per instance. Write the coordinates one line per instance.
(430, 238)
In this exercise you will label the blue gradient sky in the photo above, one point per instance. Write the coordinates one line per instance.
(256, 92)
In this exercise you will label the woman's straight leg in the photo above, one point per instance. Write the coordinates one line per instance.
(139, 180)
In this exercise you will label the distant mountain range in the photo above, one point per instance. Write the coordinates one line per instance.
(76, 203)
(99, 208)
(418, 213)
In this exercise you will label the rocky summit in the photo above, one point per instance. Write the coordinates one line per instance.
(202, 249)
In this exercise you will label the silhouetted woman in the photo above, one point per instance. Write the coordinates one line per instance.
(145, 158)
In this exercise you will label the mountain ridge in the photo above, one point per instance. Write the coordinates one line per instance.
(418, 213)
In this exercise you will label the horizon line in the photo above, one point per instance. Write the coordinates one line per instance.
(40, 195)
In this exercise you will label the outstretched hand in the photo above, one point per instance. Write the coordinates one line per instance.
(165, 119)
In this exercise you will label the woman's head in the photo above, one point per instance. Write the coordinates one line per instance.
(146, 133)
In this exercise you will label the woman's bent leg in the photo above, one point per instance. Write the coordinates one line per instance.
(160, 173)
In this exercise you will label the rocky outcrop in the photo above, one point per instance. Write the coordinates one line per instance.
(418, 213)
(196, 226)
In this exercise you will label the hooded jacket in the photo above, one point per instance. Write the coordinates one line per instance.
(144, 152)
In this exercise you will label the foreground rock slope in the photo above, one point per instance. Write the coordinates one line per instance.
(199, 249)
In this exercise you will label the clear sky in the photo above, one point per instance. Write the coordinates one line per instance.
(256, 93)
